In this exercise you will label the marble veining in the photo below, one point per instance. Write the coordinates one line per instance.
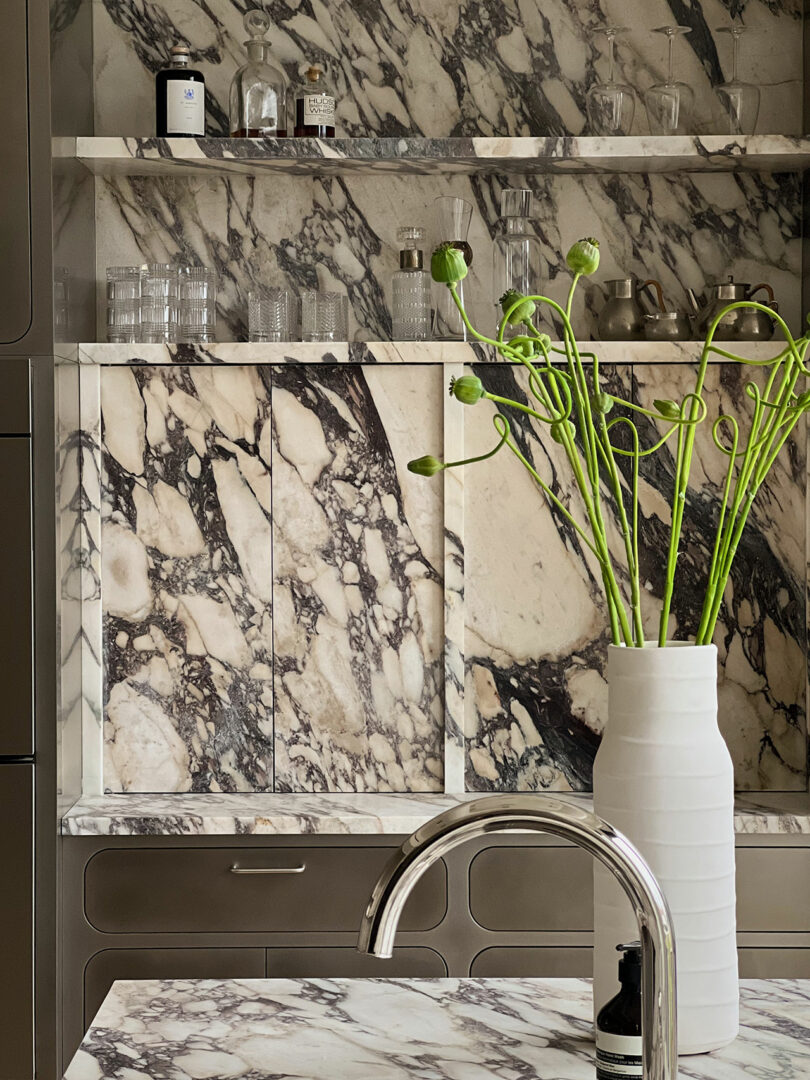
(765, 813)
(358, 580)
(187, 580)
(360, 1029)
(490, 68)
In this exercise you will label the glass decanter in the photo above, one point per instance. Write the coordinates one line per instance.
(258, 101)
(740, 100)
(611, 105)
(669, 104)
(516, 253)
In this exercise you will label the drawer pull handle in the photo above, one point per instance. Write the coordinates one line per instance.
(236, 869)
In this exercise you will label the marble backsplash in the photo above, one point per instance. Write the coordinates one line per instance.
(486, 67)
(340, 232)
(278, 591)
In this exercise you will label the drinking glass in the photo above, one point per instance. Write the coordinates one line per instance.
(271, 315)
(611, 105)
(453, 217)
(324, 316)
(740, 100)
(159, 303)
(123, 304)
(669, 104)
(198, 304)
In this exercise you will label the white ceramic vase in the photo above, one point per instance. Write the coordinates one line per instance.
(663, 776)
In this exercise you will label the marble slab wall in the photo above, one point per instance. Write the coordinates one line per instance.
(486, 67)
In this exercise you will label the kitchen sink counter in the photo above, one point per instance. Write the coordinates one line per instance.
(380, 1029)
(765, 813)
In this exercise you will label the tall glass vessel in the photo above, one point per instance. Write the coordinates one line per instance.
(258, 100)
(517, 256)
(453, 217)
(410, 306)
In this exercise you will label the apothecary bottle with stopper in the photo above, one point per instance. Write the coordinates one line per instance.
(314, 107)
(179, 98)
(258, 100)
(410, 307)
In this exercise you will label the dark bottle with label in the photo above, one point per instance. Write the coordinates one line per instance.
(314, 107)
(179, 98)
(618, 1025)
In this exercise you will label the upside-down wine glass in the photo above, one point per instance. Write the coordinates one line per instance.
(740, 100)
(611, 105)
(669, 104)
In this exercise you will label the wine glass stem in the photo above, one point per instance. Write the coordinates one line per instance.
(671, 45)
(611, 57)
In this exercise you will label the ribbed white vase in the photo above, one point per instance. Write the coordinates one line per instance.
(663, 776)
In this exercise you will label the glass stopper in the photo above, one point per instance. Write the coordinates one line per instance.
(257, 23)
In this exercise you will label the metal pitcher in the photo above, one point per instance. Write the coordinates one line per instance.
(622, 317)
(742, 324)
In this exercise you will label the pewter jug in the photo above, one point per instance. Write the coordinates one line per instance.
(742, 324)
(622, 317)
(668, 326)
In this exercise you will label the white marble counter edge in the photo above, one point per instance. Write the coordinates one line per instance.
(760, 813)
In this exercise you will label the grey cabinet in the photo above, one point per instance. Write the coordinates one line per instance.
(532, 888)
(17, 919)
(773, 889)
(16, 712)
(530, 962)
(348, 963)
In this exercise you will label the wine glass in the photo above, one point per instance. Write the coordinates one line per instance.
(669, 104)
(740, 100)
(611, 105)
(453, 217)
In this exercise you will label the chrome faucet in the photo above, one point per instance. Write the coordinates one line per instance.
(526, 813)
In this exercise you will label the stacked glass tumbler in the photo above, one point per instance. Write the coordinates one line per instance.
(160, 303)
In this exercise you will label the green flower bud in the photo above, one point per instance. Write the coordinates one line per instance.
(425, 466)
(668, 409)
(583, 258)
(601, 403)
(468, 389)
(447, 264)
(558, 431)
(524, 310)
(525, 346)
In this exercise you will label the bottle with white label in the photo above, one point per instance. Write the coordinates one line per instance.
(618, 1025)
(179, 98)
(314, 107)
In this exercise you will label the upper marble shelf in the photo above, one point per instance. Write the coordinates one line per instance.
(106, 156)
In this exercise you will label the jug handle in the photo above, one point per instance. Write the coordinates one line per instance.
(660, 292)
(762, 285)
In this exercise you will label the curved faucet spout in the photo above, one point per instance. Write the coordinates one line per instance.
(526, 813)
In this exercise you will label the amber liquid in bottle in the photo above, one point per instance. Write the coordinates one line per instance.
(314, 109)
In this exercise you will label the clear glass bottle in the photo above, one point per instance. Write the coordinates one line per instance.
(258, 100)
(410, 305)
(314, 107)
(179, 98)
(517, 254)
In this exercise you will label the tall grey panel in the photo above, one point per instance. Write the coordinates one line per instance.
(16, 307)
(16, 918)
(16, 712)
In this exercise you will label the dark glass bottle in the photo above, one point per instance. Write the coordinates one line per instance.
(618, 1025)
(179, 98)
(314, 107)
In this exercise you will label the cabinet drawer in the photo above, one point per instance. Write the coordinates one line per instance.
(16, 723)
(539, 888)
(773, 889)
(105, 967)
(774, 963)
(343, 963)
(15, 412)
(187, 890)
(559, 962)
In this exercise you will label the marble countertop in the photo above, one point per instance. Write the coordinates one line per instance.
(380, 1029)
(760, 813)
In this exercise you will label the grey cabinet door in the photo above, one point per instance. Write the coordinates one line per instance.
(16, 919)
(532, 888)
(15, 180)
(534, 962)
(347, 963)
(773, 889)
(16, 711)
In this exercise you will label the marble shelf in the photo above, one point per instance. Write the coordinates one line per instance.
(116, 156)
(382, 352)
(757, 813)
(358, 1029)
